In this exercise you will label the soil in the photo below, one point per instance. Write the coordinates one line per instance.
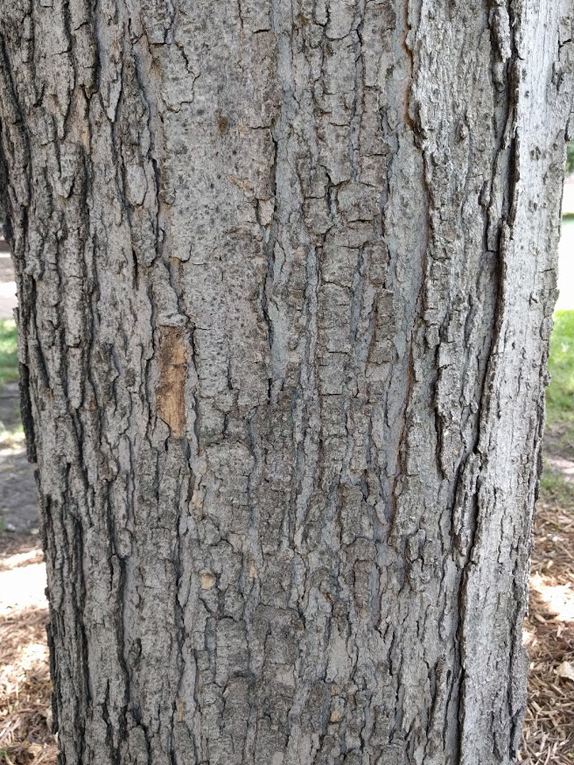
(559, 451)
(18, 498)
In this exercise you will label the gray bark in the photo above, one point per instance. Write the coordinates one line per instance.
(286, 272)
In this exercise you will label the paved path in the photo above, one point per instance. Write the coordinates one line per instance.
(566, 267)
(7, 284)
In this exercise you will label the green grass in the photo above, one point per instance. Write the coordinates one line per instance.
(560, 393)
(8, 351)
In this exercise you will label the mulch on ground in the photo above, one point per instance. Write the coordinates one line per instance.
(549, 631)
(25, 709)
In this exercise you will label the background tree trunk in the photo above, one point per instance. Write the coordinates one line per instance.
(286, 273)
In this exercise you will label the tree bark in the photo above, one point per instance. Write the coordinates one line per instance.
(286, 272)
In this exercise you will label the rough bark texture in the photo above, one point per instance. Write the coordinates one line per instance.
(286, 272)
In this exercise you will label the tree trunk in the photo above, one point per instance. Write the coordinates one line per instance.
(286, 273)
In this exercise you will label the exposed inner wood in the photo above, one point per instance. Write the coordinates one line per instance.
(170, 396)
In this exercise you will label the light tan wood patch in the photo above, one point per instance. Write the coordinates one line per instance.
(173, 361)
